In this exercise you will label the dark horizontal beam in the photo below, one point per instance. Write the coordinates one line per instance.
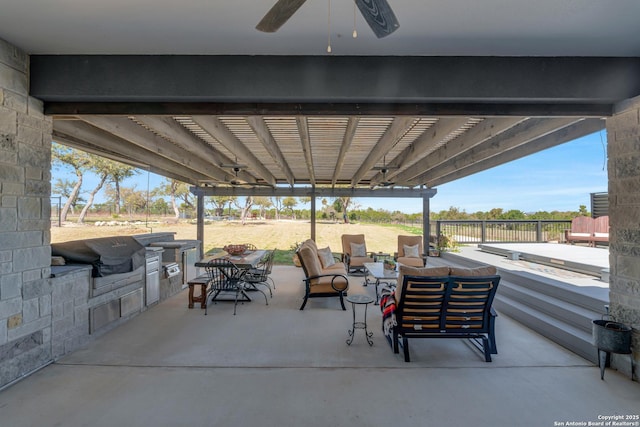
(490, 84)
(329, 109)
(314, 192)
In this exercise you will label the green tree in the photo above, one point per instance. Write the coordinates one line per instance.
(168, 187)
(102, 167)
(495, 213)
(118, 172)
(79, 161)
(65, 189)
(219, 203)
(276, 202)
(342, 205)
(133, 200)
(289, 203)
(513, 214)
(159, 206)
(263, 203)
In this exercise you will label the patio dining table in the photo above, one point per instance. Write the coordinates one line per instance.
(231, 283)
(245, 261)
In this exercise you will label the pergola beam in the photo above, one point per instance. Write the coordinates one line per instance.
(314, 192)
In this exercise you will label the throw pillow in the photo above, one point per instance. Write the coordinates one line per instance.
(358, 250)
(326, 257)
(411, 251)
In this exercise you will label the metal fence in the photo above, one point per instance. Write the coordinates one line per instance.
(56, 211)
(501, 231)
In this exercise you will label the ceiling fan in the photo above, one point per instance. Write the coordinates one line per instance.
(377, 13)
(236, 181)
(384, 169)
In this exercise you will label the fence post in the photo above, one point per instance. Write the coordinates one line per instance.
(483, 232)
(539, 231)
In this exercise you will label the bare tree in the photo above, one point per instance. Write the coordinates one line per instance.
(277, 204)
(244, 210)
(103, 178)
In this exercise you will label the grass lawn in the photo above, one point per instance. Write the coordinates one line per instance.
(264, 234)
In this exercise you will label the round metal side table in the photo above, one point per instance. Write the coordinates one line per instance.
(359, 300)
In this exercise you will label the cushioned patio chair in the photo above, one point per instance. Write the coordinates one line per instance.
(354, 252)
(410, 251)
(319, 281)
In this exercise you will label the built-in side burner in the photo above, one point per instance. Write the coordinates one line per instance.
(183, 252)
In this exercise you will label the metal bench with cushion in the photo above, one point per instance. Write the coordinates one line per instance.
(445, 302)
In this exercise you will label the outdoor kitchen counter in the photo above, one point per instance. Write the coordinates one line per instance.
(61, 270)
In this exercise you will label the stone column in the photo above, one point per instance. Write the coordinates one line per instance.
(623, 134)
(25, 254)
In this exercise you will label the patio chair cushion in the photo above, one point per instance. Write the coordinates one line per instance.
(323, 284)
(326, 257)
(310, 259)
(336, 268)
(412, 262)
(488, 270)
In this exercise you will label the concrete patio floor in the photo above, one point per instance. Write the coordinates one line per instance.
(276, 365)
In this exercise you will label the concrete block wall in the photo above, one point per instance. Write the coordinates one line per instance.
(25, 169)
(623, 133)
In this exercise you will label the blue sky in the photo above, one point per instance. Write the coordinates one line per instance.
(560, 178)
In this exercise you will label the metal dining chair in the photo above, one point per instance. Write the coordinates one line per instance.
(228, 278)
(260, 274)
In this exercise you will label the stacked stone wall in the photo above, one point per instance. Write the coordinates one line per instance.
(25, 165)
(623, 133)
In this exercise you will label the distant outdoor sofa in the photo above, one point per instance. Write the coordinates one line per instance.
(441, 302)
(325, 275)
(589, 230)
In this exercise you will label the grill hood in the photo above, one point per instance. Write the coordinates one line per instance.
(107, 255)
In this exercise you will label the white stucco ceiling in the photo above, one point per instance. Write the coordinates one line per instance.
(427, 27)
